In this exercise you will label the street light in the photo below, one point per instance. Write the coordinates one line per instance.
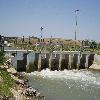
(76, 12)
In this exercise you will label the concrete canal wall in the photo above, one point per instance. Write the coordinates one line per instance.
(57, 60)
(96, 63)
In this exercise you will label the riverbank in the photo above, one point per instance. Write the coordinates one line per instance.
(14, 87)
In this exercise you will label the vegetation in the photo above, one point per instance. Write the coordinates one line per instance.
(53, 47)
(6, 84)
(2, 59)
(86, 45)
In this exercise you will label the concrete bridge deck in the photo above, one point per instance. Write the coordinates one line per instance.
(55, 52)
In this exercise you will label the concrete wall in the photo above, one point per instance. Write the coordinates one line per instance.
(97, 59)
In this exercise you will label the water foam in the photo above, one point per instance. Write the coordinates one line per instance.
(85, 77)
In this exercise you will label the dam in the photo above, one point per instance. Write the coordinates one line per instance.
(56, 74)
(57, 60)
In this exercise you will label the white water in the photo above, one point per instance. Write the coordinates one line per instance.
(67, 84)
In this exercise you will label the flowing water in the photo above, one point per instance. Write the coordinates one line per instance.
(67, 84)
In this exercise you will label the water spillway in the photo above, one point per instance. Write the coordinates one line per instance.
(57, 60)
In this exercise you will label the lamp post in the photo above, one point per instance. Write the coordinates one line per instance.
(76, 24)
(76, 12)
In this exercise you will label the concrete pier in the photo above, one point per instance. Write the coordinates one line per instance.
(86, 63)
(39, 62)
(78, 61)
(70, 65)
(60, 62)
(50, 60)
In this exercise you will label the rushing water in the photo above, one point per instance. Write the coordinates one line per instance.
(67, 84)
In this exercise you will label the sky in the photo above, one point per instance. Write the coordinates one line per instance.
(57, 17)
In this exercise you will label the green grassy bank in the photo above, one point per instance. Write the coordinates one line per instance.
(6, 83)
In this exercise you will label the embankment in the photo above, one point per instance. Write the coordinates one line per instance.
(14, 87)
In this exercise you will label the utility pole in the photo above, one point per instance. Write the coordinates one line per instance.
(41, 32)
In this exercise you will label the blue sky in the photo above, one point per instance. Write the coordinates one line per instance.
(25, 17)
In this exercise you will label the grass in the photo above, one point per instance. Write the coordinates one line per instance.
(7, 83)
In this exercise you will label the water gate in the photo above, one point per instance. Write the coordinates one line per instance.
(55, 61)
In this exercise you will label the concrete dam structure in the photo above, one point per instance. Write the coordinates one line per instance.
(35, 61)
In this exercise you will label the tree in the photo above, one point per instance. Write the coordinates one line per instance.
(93, 45)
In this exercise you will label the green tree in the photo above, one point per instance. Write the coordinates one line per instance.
(93, 45)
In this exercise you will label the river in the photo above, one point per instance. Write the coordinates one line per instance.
(67, 84)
